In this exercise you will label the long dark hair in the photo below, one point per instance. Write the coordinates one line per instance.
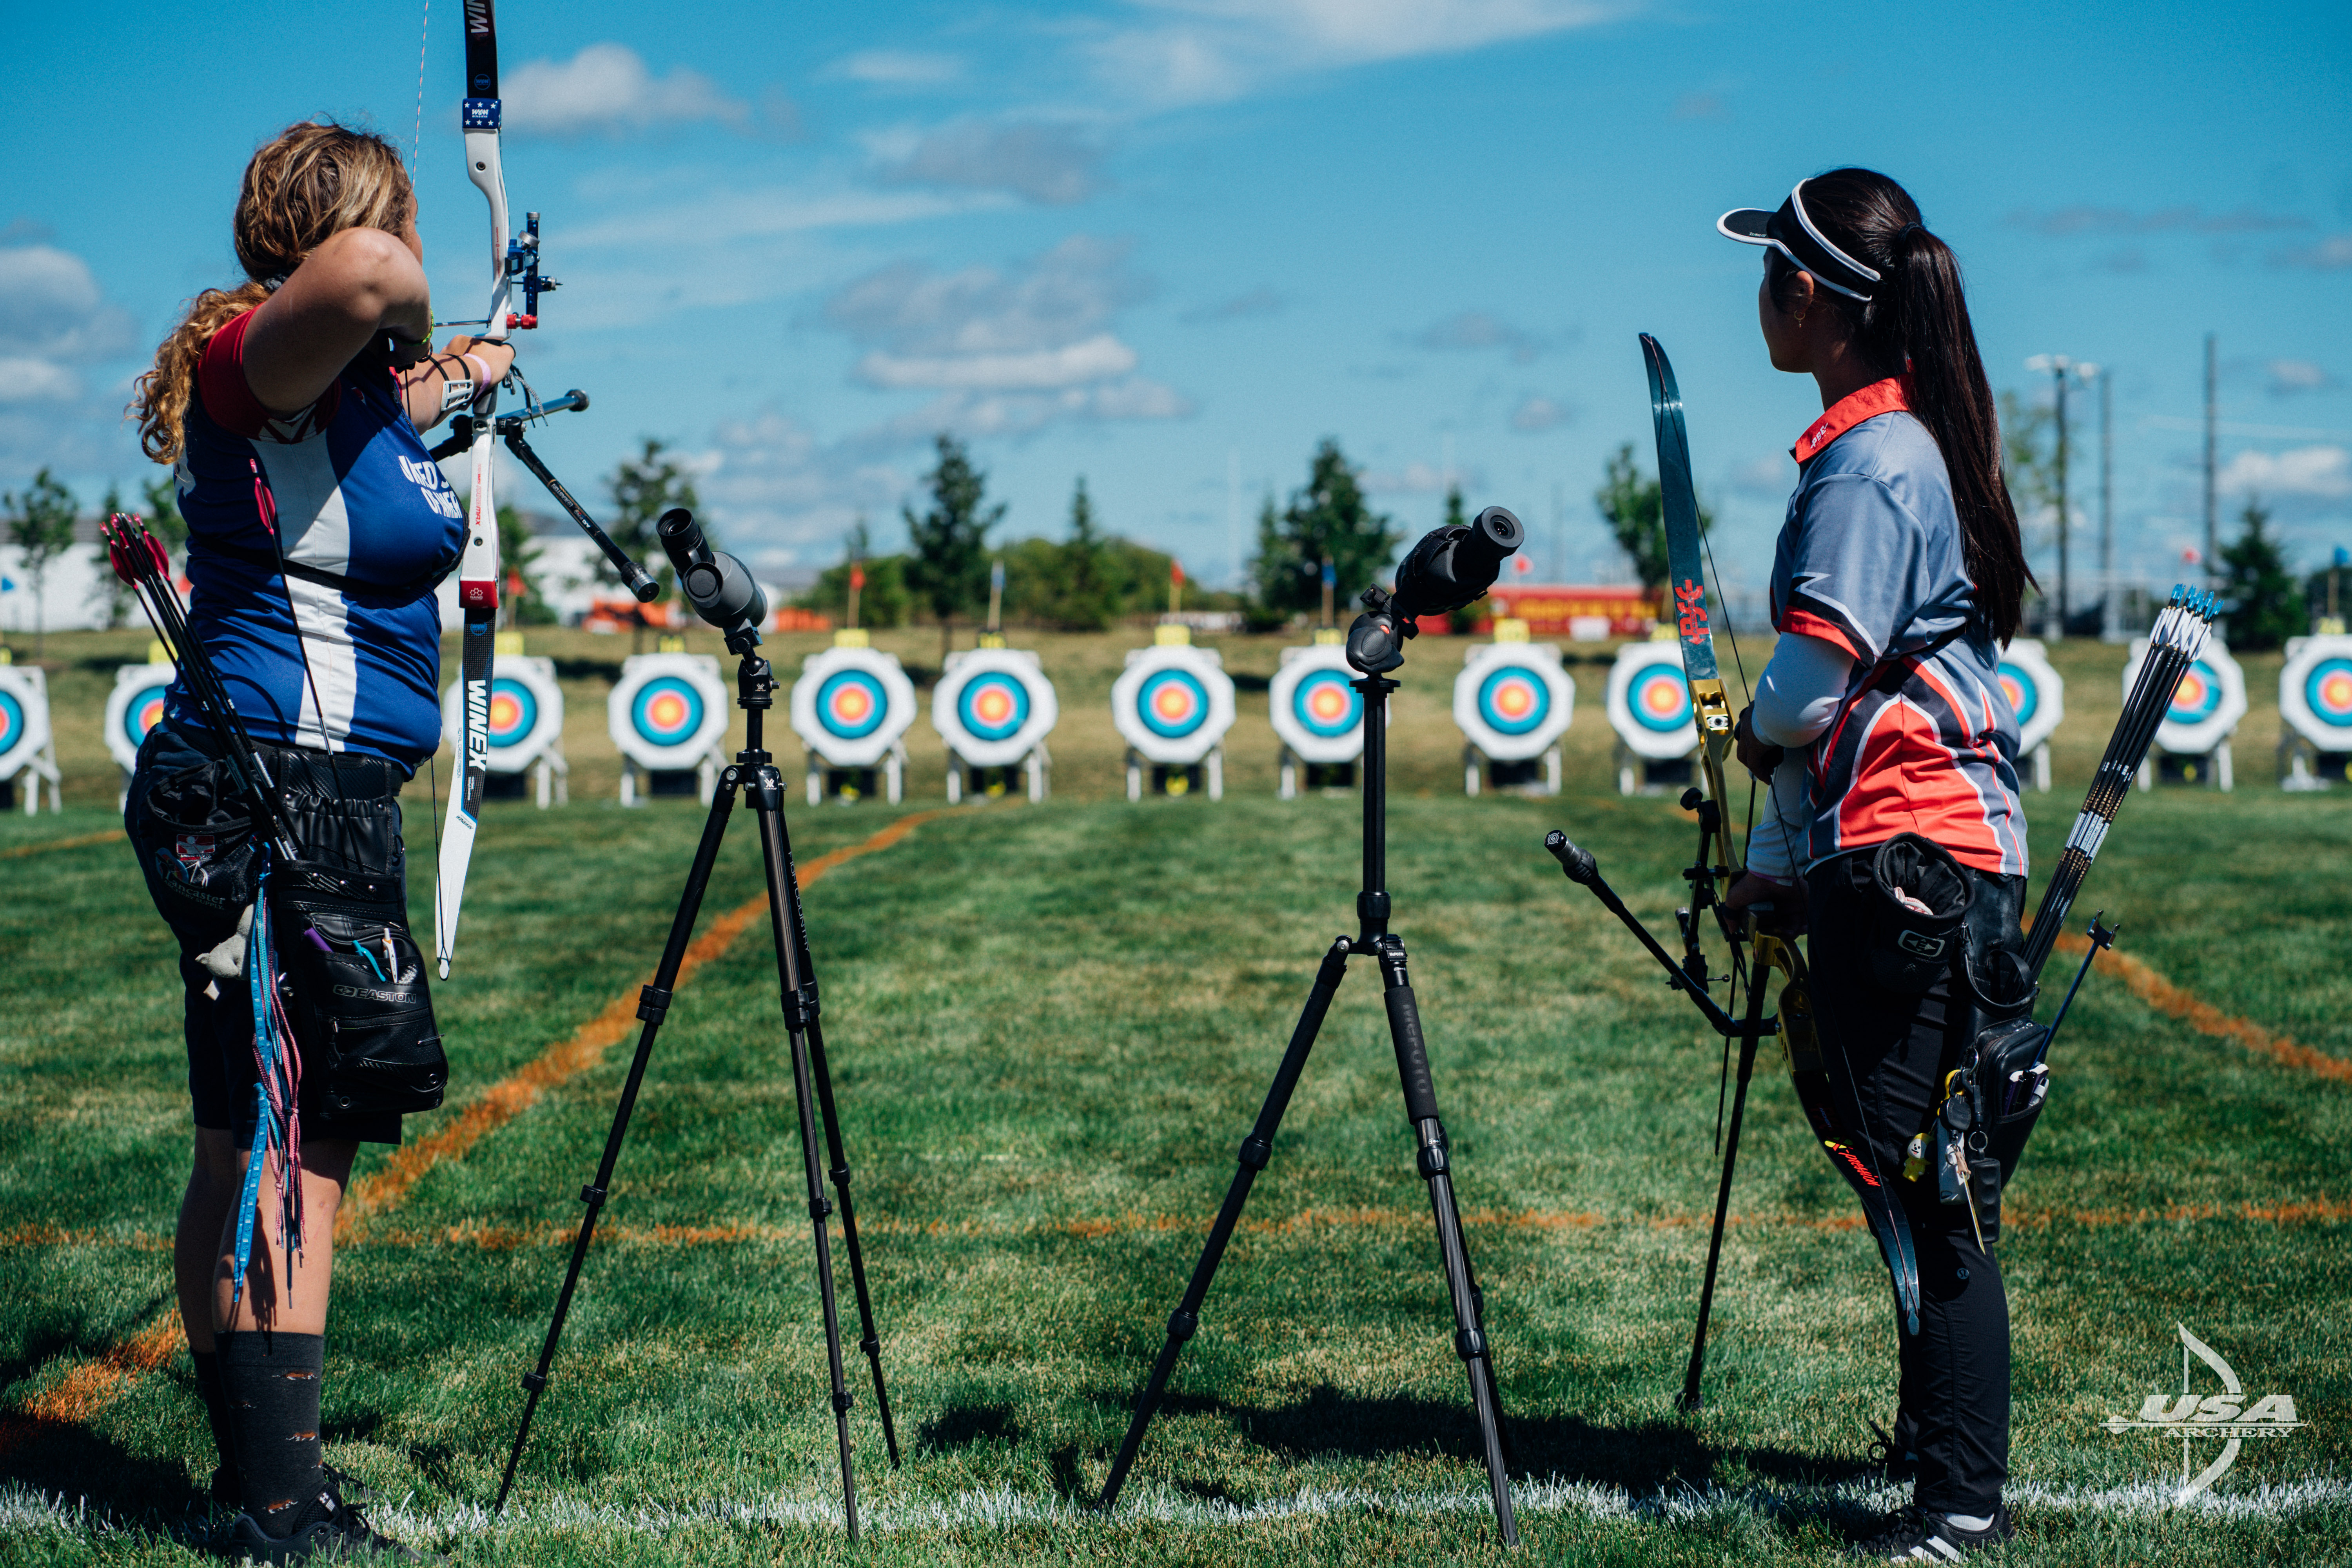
(1916, 321)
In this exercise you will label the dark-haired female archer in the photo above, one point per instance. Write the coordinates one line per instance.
(1881, 728)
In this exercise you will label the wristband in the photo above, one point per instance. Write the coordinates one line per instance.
(481, 371)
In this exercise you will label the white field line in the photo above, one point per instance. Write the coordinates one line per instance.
(25, 1512)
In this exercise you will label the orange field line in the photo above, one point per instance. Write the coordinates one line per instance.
(388, 1185)
(78, 841)
(2204, 1017)
(88, 1388)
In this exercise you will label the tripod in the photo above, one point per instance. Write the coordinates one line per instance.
(756, 775)
(1374, 941)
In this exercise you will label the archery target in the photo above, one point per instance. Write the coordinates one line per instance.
(2206, 705)
(669, 710)
(527, 713)
(2315, 691)
(1513, 700)
(1172, 704)
(1315, 710)
(134, 707)
(1649, 702)
(993, 706)
(2036, 693)
(851, 705)
(24, 716)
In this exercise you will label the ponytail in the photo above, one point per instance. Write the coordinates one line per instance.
(1917, 323)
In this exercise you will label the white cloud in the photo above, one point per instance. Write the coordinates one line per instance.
(1202, 50)
(1067, 295)
(52, 309)
(897, 68)
(726, 215)
(607, 88)
(783, 496)
(1015, 414)
(2289, 376)
(2321, 471)
(2330, 255)
(37, 381)
(1764, 476)
(1479, 329)
(1091, 359)
(1050, 164)
(1258, 302)
(1540, 414)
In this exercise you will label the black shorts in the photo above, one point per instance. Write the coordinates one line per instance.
(189, 882)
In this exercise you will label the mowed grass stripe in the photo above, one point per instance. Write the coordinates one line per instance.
(88, 1388)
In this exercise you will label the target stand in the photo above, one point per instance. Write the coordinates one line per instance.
(1318, 716)
(134, 707)
(850, 708)
(1513, 701)
(1172, 705)
(2315, 703)
(2037, 695)
(525, 732)
(1648, 707)
(668, 717)
(29, 749)
(994, 708)
(2192, 743)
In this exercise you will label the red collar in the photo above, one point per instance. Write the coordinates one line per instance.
(1879, 397)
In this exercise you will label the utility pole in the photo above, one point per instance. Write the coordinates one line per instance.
(1558, 532)
(1239, 566)
(2110, 602)
(2212, 543)
(2061, 370)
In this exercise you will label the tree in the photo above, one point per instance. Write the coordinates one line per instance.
(40, 525)
(163, 517)
(881, 603)
(1082, 585)
(2265, 601)
(1328, 518)
(109, 593)
(949, 571)
(643, 489)
(522, 597)
(1634, 507)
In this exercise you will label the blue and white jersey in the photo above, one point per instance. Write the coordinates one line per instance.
(355, 499)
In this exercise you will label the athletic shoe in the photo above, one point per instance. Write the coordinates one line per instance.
(325, 1527)
(1914, 1535)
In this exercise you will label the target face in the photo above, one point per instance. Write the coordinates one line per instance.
(2035, 693)
(24, 715)
(1513, 700)
(993, 706)
(514, 712)
(1172, 704)
(1326, 705)
(526, 712)
(12, 722)
(2207, 703)
(2197, 698)
(2315, 691)
(1317, 715)
(2023, 695)
(851, 705)
(134, 707)
(669, 709)
(2327, 691)
(1660, 701)
(1649, 701)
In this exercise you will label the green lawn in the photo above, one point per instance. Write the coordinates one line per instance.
(1050, 1027)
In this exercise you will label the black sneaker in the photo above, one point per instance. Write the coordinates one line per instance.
(1914, 1535)
(325, 1527)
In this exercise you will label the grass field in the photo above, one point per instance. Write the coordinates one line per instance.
(1050, 1027)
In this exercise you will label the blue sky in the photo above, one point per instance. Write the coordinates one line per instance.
(1170, 243)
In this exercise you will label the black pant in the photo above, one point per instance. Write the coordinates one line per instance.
(1887, 1054)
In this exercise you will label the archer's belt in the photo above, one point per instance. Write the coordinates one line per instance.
(303, 774)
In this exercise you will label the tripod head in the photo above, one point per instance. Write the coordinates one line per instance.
(717, 584)
(1451, 567)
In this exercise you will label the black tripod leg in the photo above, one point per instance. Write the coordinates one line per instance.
(767, 791)
(1469, 1336)
(871, 1343)
(653, 1003)
(1257, 1150)
(1691, 1399)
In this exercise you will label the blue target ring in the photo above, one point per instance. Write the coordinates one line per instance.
(667, 711)
(12, 722)
(141, 714)
(1325, 705)
(514, 712)
(2023, 691)
(852, 704)
(1172, 703)
(992, 705)
(1513, 700)
(2198, 696)
(2327, 692)
(1659, 699)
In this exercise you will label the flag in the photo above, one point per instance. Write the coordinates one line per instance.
(857, 577)
(1175, 574)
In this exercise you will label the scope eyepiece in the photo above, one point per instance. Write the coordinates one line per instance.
(1454, 564)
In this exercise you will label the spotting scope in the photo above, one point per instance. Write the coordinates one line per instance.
(717, 584)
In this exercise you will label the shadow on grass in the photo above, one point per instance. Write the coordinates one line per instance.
(77, 1465)
(1640, 1458)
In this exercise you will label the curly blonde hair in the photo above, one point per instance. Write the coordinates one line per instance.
(314, 179)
